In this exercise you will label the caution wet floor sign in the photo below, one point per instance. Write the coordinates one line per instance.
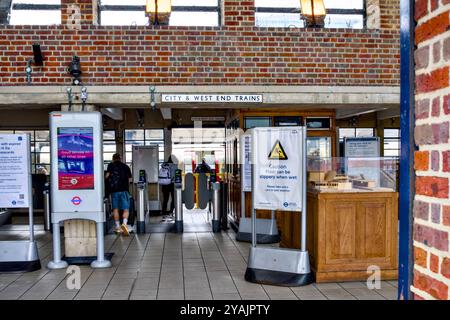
(278, 158)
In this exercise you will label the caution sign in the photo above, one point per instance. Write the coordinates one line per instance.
(278, 178)
(277, 152)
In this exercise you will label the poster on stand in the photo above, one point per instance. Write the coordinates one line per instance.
(75, 158)
(362, 159)
(246, 145)
(278, 158)
(14, 170)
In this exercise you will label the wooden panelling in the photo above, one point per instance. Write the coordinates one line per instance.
(347, 233)
(80, 238)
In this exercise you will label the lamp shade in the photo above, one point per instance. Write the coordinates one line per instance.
(159, 11)
(314, 12)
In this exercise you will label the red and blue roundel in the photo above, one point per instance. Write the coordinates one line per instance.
(76, 201)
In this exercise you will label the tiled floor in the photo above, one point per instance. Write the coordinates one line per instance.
(197, 265)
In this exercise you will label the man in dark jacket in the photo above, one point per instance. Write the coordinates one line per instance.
(118, 176)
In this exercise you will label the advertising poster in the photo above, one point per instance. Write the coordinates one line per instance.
(14, 170)
(75, 158)
(278, 178)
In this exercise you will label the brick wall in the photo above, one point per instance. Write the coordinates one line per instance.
(236, 53)
(432, 160)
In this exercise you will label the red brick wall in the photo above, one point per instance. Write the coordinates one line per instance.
(236, 53)
(432, 204)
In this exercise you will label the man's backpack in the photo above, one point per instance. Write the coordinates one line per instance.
(165, 176)
(115, 179)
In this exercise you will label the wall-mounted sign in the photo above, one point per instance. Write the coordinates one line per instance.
(278, 158)
(14, 170)
(212, 98)
(362, 147)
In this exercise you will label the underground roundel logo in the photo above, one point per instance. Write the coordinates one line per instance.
(286, 204)
(76, 201)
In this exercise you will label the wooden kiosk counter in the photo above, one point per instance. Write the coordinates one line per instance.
(348, 232)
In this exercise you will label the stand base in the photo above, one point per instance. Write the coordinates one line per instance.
(260, 238)
(278, 278)
(140, 226)
(101, 264)
(215, 225)
(178, 227)
(54, 265)
(86, 260)
(275, 266)
(19, 256)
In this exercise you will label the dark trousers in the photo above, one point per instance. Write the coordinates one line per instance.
(168, 190)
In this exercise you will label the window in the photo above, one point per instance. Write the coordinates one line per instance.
(35, 12)
(109, 146)
(143, 137)
(184, 12)
(391, 145)
(354, 133)
(253, 122)
(40, 149)
(287, 13)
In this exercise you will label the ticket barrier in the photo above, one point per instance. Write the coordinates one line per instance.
(142, 190)
(47, 219)
(178, 202)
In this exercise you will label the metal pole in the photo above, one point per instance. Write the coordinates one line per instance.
(141, 209)
(47, 210)
(178, 211)
(30, 193)
(216, 207)
(304, 209)
(253, 210)
(56, 263)
(101, 262)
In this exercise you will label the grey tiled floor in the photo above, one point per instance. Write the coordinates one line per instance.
(200, 265)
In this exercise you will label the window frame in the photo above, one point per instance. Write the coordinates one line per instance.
(102, 8)
(144, 141)
(34, 6)
(297, 10)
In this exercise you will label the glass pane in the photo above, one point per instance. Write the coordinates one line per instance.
(38, 1)
(391, 153)
(392, 133)
(6, 131)
(160, 144)
(154, 134)
(195, 18)
(42, 146)
(107, 156)
(31, 132)
(282, 20)
(35, 17)
(109, 135)
(253, 122)
(346, 133)
(128, 157)
(318, 147)
(137, 134)
(109, 146)
(278, 4)
(390, 144)
(123, 18)
(203, 3)
(347, 4)
(129, 146)
(43, 157)
(121, 2)
(364, 132)
(345, 21)
(42, 135)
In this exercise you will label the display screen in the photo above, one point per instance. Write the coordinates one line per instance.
(75, 158)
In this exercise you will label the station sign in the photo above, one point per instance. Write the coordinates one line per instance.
(278, 178)
(212, 98)
(14, 170)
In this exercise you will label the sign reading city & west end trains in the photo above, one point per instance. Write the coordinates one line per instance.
(277, 155)
(14, 170)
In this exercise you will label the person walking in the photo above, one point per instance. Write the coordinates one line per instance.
(203, 167)
(166, 180)
(118, 176)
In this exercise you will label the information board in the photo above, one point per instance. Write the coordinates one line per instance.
(75, 158)
(14, 170)
(278, 162)
(362, 147)
(246, 145)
